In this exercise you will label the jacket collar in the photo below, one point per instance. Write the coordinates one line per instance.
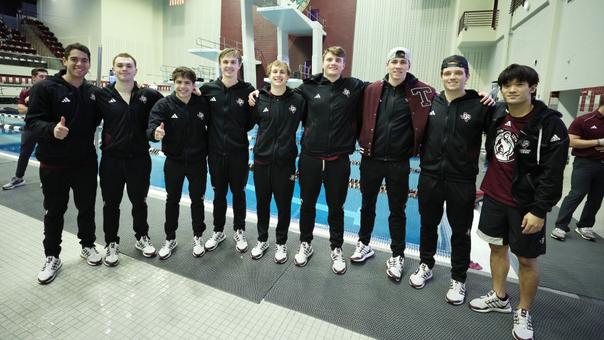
(267, 92)
(320, 79)
(409, 79)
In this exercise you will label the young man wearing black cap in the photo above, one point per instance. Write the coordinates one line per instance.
(395, 112)
(125, 161)
(586, 135)
(527, 147)
(449, 165)
(62, 113)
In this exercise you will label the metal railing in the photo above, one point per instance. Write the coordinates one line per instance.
(304, 71)
(220, 45)
(227, 43)
(201, 71)
(30, 60)
(478, 19)
(206, 72)
(314, 16)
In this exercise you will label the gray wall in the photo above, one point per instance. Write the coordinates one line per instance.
(421, 25)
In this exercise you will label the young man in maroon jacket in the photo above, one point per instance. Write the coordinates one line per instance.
(395, 112)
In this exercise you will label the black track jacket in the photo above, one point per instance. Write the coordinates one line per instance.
(453, 137)
(52, 99)
(332, 114)
(186, 138)
(278, 118)
(231, 117)
(125, 125)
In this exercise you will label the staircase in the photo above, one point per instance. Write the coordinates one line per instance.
(45, 36)
(36, 42)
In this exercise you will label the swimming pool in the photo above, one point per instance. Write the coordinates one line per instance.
(10, 143)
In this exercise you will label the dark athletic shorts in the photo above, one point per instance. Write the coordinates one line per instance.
(500, 224)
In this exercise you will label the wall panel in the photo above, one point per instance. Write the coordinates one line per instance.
(182, 25)
(421, 25)
(141, 36)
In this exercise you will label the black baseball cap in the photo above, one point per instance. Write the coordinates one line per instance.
(455, 61)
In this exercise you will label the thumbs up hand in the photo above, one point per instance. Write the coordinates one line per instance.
(60, 131)
(160, 132)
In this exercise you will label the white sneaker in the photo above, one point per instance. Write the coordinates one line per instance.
(214, 240)
(586, 233)
(422, 275)
(15, 182)
(338, 264)
(49, 270)
(558, 234)
(361, 253)
(281, 254)
(91, 255)
(491, 303)
(198, 248)
(457, 293)
(259, 250)
(394, 267)
(145, 246)
(523, 325)
(240, 240)
(166, 249)
(112, 255)
(304, 253)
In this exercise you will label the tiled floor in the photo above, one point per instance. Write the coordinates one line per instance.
(134, 300)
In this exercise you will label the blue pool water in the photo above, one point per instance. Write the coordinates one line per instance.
(351, 207)
(10, 142)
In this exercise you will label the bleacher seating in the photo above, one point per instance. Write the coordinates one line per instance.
(49, 39)
(11, 85)
(16, 46)
(17, 59)
(11, 40)
(15, 79)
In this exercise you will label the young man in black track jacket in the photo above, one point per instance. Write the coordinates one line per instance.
(62, 113)
(329, 137)
(449, 165)
(278, 112)
(125, 160)
(180, 122)
(228, 146)
(330, 127)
